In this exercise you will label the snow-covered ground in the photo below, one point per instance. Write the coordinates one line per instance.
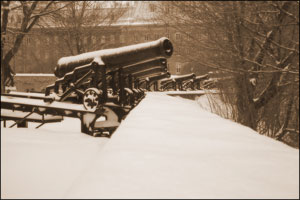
(167, 147)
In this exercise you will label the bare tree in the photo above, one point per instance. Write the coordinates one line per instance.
(80, 19)
(31, 12)
(255, 43)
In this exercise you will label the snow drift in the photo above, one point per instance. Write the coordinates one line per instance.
(167, 147)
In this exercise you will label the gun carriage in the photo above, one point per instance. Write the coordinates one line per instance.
(167, 84)
(199, 79)
(150, 81)
(178, 82)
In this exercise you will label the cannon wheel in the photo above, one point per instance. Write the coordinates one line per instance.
(91, 99)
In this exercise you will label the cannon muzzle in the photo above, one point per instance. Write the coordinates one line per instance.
(118, 57)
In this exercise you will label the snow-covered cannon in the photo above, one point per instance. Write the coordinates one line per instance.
(153, 80)
(118, 57)
(200, 79)
(152, 71)
(130, 69)
(177, 82)
(127, 76)
(168, 83)
(98, 79)
(181, 79)
(88, 70)
(184, 77)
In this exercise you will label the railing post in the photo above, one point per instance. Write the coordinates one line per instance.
(155, 86)
(147, 85)
(113, 82)
(104, 82)
(121, 86)
(130, 81)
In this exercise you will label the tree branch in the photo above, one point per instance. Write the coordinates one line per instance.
(49, 12)
(272, 89)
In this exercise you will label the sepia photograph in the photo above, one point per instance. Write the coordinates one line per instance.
(149, 99)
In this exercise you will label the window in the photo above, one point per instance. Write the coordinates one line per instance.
(147, 37)
(47, 39)
(112, 38)
(27, 40)
(93, 39)
(167, 9)
(178, 68)
(187, 51)
(136, 38)
(12, 19)
(152, 7)
(38, 42)
(122, 38)
(37, 54)
(103, 39)
(84, 40)
(199, 36)
(46, 55)
(177, 36)
(56, 39)
(19, 19)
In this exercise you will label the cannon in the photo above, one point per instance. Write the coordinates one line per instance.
(102, 81)
(177, 82)
(200, 79)
(184, 77)
(152, 80)
(188, 85)
(89, 70)
(136, 77)
(146, 73)
(180, 80)
(161, 62)
(128, 76)
(118, 57)
(166, 84)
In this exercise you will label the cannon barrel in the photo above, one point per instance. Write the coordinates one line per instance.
(162, 62)
(201, 78)
(185, 77)
(148, 72)
(166, 81)
(158, 77)
(118, 57)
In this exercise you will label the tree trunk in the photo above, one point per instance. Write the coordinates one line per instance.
(5, 7)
